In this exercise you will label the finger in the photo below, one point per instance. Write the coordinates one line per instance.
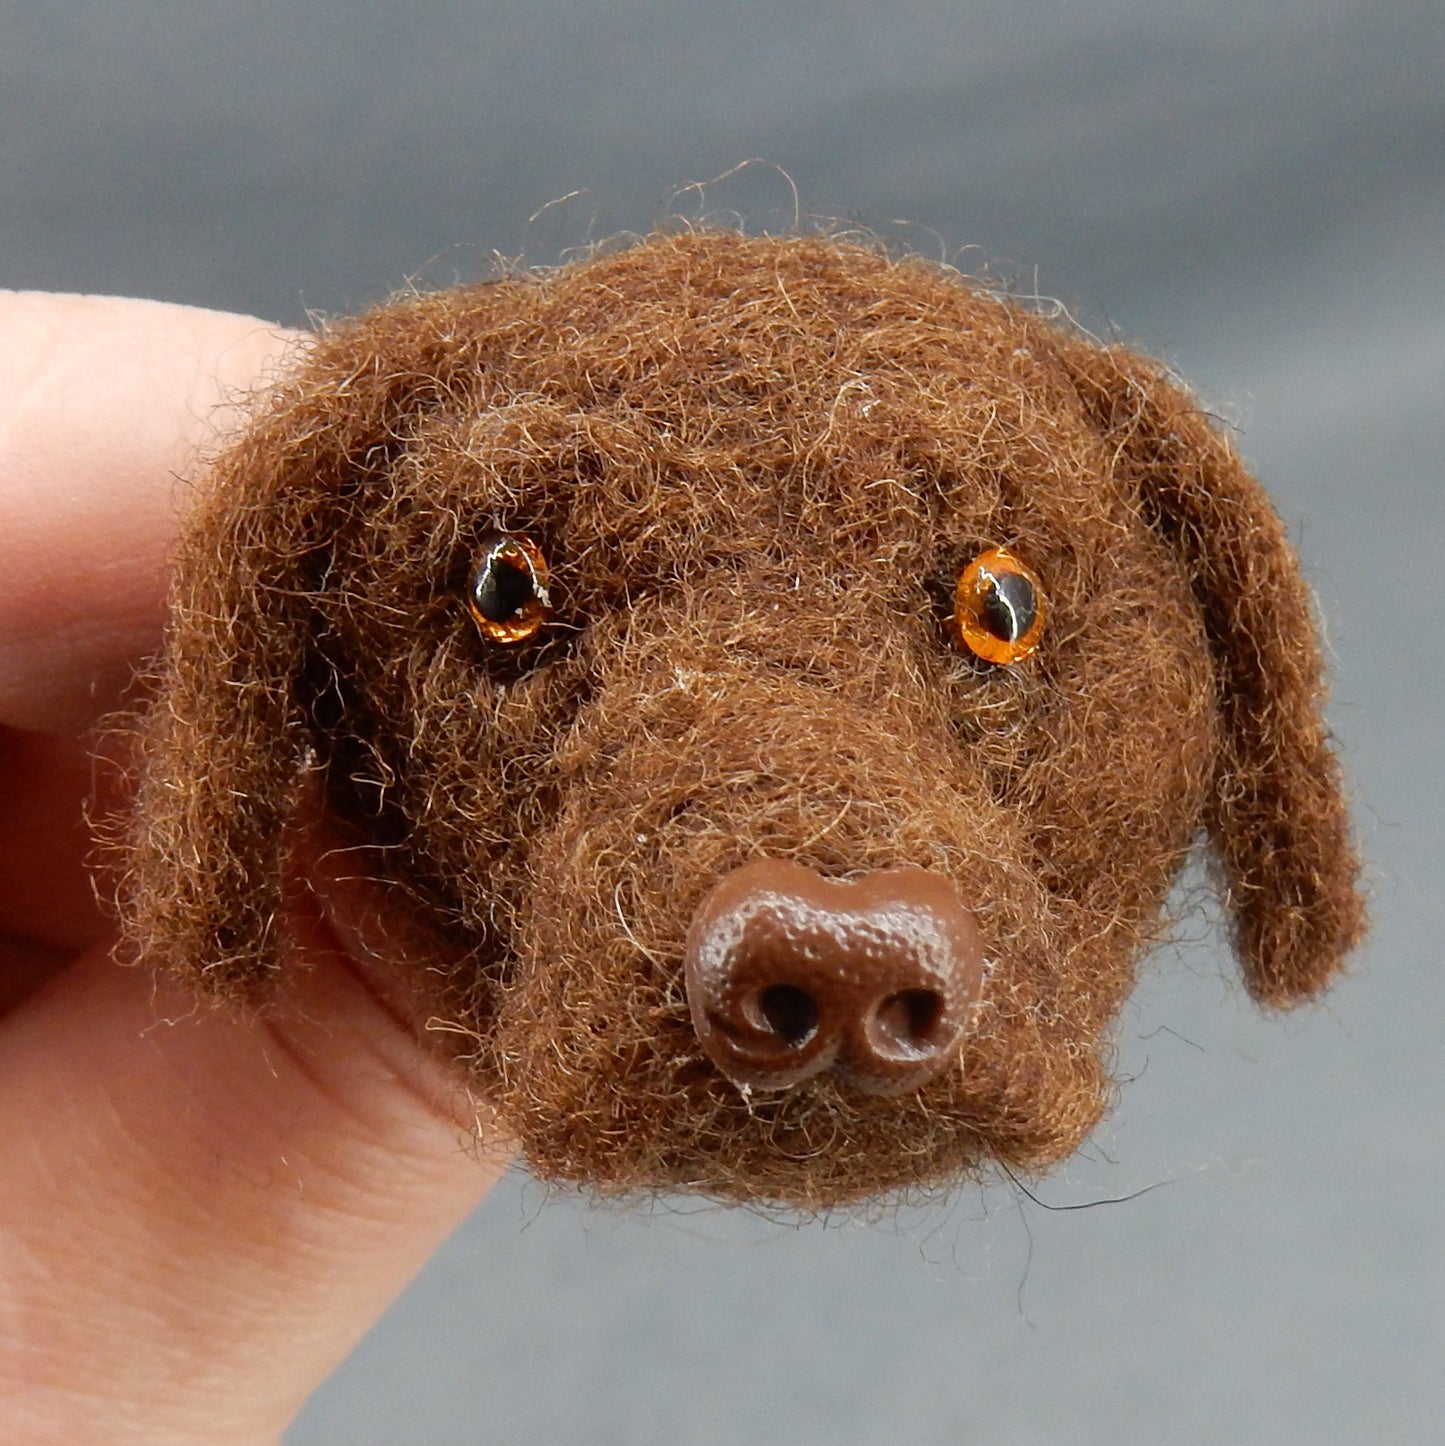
(47, 899)
(25, 967)
(200, 1214)
(48, 909)
(105, 407)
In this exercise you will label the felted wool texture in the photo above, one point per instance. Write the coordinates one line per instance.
(756, 468)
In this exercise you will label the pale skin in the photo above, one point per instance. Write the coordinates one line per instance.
(200, 1213)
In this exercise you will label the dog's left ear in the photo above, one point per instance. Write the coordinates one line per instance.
(1277, 813)
(230, 742)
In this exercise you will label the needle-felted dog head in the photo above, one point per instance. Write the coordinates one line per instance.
(780, 683)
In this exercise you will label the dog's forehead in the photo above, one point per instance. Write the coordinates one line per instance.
(878, 432)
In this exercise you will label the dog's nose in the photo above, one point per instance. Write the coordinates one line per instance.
(790, 974)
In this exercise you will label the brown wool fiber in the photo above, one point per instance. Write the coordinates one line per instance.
(756, 468)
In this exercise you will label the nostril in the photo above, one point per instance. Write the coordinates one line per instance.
(790, 1012)
(907, 1022)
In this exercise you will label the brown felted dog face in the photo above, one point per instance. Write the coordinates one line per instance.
(754, 471)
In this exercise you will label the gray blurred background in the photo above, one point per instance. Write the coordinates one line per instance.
(1254, 191)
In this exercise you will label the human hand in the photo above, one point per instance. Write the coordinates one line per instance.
(200, 1214)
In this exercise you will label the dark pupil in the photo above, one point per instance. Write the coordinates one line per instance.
(504, 587)
(1009, 607)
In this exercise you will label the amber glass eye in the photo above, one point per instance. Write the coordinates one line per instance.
(507, 595)
(998, 608)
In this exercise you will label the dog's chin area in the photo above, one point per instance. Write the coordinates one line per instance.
(772, 1166)
(602, 1103)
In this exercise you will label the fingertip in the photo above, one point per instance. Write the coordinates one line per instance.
(107, 408)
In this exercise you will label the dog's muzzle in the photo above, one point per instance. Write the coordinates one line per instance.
(790, 974)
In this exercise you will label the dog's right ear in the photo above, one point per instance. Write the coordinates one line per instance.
(225, 741)
(1277, 812)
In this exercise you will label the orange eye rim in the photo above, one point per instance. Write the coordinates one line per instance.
(507, 592)
(973, 631)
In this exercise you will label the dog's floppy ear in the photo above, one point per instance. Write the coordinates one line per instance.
(226, 741)
(1277, 814)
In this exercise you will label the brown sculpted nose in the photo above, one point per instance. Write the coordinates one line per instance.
(790, 974)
